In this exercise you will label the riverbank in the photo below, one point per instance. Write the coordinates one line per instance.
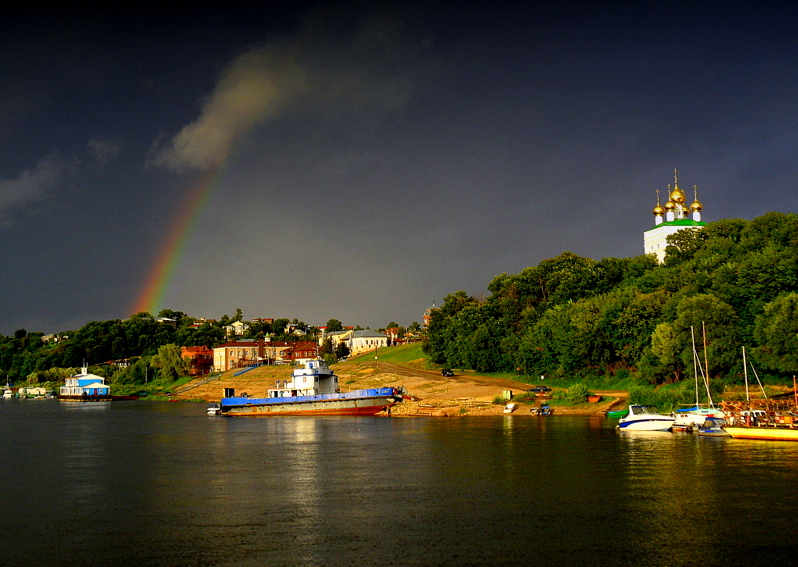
(468, 394)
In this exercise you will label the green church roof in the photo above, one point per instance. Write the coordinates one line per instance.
(680, 222)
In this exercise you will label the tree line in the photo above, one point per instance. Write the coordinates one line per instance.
(574, 317)
(150, 347)
(140, 340)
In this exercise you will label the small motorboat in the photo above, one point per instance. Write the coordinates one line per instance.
(645, 418)
(713, 427)
(694, 417)
(542, 410)
(214, 409)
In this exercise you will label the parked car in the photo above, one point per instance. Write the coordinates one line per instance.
(539, 390)
(447, 372)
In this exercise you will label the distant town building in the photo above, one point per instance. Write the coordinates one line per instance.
(302, 351)
(200, 359)
(167, 321)
(336, 337)
(428, 315)
(236, 329)
(365, 341)
(238, 354)
(670, 219)
(201, 321)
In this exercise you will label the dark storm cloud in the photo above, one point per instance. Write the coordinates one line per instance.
(319, 68)
(371, 159)
(29, 189)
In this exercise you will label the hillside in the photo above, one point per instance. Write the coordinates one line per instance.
(463, 394)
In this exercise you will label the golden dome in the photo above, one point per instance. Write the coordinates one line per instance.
(658, 210)
(696, 206)
(670, 205)
(676, 195)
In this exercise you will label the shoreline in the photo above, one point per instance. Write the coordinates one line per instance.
(434, 395)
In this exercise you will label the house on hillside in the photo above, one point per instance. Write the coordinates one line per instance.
(236, 329)
(201, 321)
(303, 351)
(393, 334)
(238, 354)
(336, 337)
(427, 318)
(200, 359)
(365, 341)
(167, 321)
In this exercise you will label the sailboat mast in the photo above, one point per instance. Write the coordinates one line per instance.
(695, 365)
(706, 365)
(745, 373)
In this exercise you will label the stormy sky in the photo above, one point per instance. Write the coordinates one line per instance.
(362, 160)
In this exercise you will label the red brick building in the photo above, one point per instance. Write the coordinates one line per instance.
(200, 359)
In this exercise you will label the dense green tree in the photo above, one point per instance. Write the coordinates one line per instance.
(279, 327)
(334, 325)
(667, 345)
(570, 315)
(170, 362)
(682, 245)
(341, 351)
(776, 332)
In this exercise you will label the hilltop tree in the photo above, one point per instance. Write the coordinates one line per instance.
(334, 325)
(776, 331)
(170, 361)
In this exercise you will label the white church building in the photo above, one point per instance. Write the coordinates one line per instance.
(672, 218)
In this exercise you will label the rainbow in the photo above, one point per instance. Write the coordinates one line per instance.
(162, 272)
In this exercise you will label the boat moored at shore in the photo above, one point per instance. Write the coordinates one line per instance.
(762, 433)
(645, 418)
(312, 390)
(85, 387)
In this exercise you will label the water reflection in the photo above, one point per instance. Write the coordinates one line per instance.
(85, 442)
(164, 484)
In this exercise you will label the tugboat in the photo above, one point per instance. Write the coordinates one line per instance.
(312, 390)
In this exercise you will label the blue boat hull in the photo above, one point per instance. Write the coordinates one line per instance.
(359, 402)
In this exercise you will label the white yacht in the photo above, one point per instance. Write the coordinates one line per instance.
(645, 418)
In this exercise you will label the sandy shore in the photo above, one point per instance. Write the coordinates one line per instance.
(433, 395)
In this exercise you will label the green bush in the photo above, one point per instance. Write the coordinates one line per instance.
(576, 393)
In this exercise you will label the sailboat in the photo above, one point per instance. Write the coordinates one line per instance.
(694, 417)
(756, 423)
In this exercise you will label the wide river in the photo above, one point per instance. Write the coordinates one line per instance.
(163, 484)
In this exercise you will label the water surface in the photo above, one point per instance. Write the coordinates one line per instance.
(163, 484)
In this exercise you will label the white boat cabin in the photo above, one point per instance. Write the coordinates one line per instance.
(314, 379)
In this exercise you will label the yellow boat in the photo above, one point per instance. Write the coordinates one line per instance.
(765, 433)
